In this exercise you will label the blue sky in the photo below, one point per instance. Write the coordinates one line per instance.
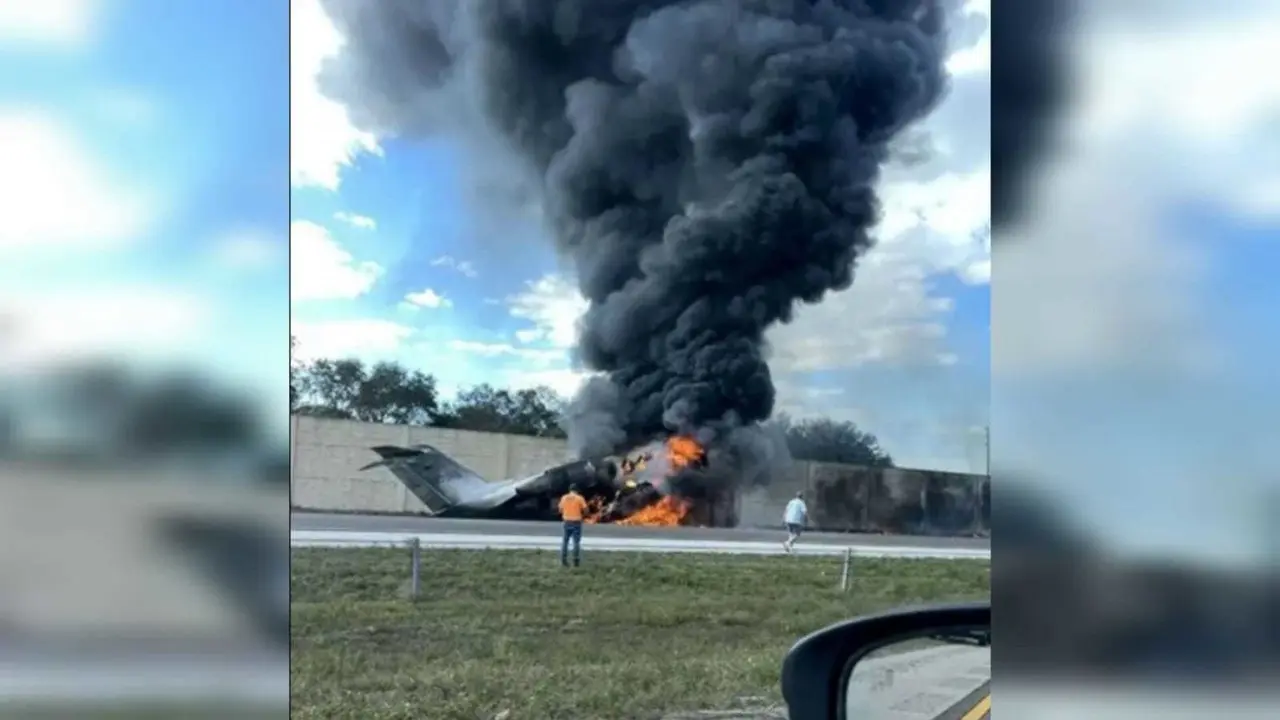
(423, 238)
(150, 207)
(381, 221)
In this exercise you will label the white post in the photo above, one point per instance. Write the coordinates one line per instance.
(416, 551)
(986, 437)
(844, 574)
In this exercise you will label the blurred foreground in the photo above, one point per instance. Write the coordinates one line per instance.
(1072, 609)
(136, 578)
(143, 316)
(1134, 395)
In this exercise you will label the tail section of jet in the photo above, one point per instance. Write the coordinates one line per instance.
(439, 481)
(448, 488)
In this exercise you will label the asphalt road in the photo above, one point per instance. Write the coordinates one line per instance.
(353, 523)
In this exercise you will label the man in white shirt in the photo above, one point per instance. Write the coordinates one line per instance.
(795, 516)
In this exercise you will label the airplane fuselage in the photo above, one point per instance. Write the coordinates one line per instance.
(447, 489)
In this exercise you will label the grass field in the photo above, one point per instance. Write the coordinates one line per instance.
(512, 635)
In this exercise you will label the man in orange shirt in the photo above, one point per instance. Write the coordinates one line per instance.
(573, 508)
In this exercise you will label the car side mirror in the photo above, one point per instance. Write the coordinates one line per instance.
(933, 661)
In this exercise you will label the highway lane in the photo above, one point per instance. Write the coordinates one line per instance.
(401, 524)
(332, 539)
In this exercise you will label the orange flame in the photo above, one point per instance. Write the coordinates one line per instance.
(683, 451)
(667, 512)
(595, 508)
(670, 511)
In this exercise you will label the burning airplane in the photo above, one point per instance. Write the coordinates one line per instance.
(635, 488)
(705, 167)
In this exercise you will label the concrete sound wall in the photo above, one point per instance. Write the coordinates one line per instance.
(899, 501)
(326, 457)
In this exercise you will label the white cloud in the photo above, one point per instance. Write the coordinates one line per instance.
(347, 338)
(65, 23)
(888, 316)
(977, 272)
(802, 401)
(40, 329)
(565, 381)
(361, 221)
(461, 266)
(247, 249)
(554, 306)
(943, 224)
(427, 298)
(322, 139)
(503, 349)
(1164, 111)
(56, 195)
(974, 58)
(1101, 289)
(1195, 91)
(891, 314)
(480, 348)
(320, 269)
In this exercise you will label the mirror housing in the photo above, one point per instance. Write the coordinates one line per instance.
(814, 671)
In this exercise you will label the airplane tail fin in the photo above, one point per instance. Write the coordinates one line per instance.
(436, 479)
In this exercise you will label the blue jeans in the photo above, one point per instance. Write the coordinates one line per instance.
(572, 531)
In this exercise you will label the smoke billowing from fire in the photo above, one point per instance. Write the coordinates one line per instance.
(705, 164)
(1031, 37)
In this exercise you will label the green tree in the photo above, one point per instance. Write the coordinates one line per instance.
(833, 441)
(387, 392)
(536, 411)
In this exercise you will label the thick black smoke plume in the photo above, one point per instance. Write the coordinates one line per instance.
(1030, 86)
(705, 164)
